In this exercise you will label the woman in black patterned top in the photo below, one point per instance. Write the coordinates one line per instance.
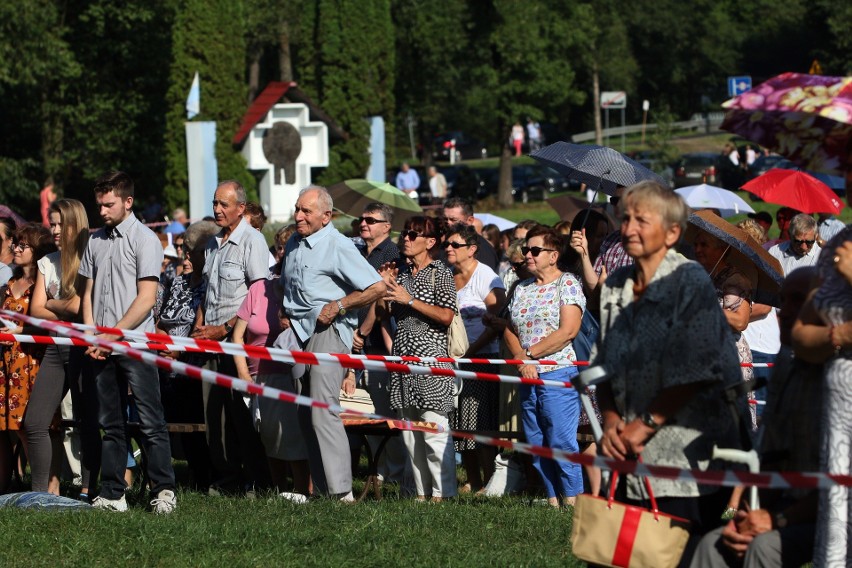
(422, 297)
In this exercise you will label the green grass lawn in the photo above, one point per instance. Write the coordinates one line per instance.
(268, 531)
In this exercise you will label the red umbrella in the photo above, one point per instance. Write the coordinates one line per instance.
(795, 189)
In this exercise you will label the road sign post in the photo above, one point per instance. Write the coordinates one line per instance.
(614, 100)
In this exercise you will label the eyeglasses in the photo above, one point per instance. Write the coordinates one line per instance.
(22, 246)
(411, 235)
(370, 220)
(455, 245)
(519, 264)
(802, 242)
(535, 251)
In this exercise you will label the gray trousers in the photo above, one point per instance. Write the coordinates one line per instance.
(325, 437)
(392, 463)
(789, 547)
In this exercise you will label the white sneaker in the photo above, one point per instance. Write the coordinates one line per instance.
(165, 503)
(119, 505)
(297, 498)
(348, 498)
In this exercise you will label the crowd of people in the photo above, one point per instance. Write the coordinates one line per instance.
(659, 305)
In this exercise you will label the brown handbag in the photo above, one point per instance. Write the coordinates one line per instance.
(609, 533)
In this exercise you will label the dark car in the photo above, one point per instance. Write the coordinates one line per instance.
(696, 168)
(765, 163)
(466, 148)
(529, 182)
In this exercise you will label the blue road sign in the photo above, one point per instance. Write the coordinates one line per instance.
(738, 85)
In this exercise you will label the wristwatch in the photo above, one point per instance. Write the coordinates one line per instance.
(648, 420)
(529, 354)
(411, 301)
(228, 328)
(341, 310)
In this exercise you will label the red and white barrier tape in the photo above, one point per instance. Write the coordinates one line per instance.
(729, 478)
(208, 376)
(306, 358)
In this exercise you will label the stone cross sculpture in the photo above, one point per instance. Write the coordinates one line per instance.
(287, 142)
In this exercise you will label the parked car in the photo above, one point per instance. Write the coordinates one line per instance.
(696, 168)
(466, 148)
(765, 163)
(529, 182)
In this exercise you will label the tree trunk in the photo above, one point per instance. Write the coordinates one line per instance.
(504, 186)
(285, 62)
(596, 103)
(254, 75)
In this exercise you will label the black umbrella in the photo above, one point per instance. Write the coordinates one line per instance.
(744, 253)
(598, 167)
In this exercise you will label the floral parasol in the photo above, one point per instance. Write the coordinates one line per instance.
(806, 118)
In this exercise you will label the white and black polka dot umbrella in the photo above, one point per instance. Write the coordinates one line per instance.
(599, 167)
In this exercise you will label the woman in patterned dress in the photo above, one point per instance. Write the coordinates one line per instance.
(422, 298)
(480, 291)
(19, 364)
(823, 334)
(546, 312)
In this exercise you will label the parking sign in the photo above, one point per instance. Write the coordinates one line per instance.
(738, 85)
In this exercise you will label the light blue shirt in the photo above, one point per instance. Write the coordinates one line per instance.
(319, 269)
(406, 181)
(5, 273)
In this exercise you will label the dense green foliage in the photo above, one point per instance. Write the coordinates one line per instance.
(94, 85)
(208, 39)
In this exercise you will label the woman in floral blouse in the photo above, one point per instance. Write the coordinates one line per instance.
(546, 311)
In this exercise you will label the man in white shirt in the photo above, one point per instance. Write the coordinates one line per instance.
(802, 248)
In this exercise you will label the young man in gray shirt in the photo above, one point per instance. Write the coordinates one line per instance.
(121, 265)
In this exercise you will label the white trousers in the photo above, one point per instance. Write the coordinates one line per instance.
(432, 456)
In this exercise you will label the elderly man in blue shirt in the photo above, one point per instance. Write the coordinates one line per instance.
(325, 280)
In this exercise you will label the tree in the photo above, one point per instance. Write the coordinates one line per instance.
(346, 65)
(522, 67)
(208, 37)
(431, 65)
(604, 51)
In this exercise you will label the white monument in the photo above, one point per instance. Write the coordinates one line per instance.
(286, 144)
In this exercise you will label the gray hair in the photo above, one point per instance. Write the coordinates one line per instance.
(198, 234)
(385, 210)
(324, 199)
(657, 197)
(801, 224)
(238, 189)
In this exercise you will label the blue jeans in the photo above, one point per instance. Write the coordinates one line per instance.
(550, 416)
(112, 377)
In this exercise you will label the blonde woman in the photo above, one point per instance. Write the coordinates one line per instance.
(56, 297)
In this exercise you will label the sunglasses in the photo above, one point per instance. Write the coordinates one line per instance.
(801, 242)
(411, 235)
(455, 245)
(518, 265)
(370, 220)
(535, 251)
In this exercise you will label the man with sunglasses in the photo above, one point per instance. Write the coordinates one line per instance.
(802, 248)
(458, 211)
(375, 227)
